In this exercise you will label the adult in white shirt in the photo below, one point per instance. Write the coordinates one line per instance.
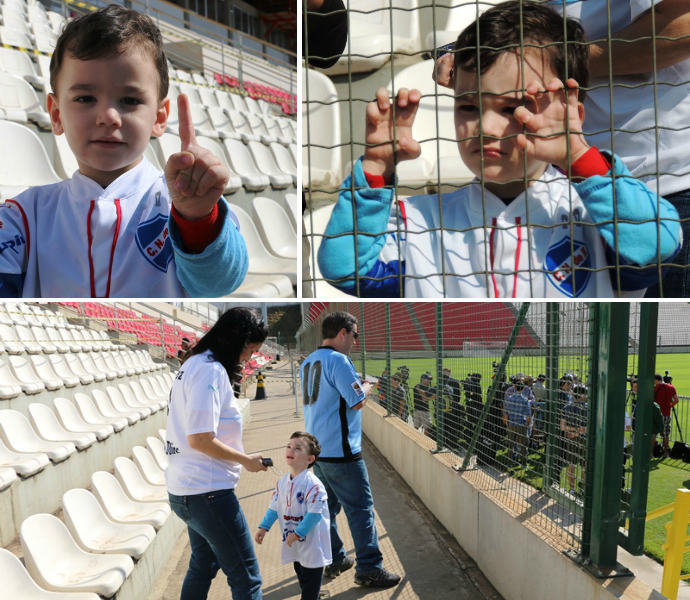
(206, 456)
(650, 101)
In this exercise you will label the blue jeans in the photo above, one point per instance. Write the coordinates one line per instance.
(220, 538)
(309, 581)
(676, 282)
(347, 486)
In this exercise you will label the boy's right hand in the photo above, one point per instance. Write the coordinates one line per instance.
(259, 537)
(381, 116)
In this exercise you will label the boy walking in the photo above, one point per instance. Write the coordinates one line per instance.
(300, 504)
(120, 227)
(521, 229)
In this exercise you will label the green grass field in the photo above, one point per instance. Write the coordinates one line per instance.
(665, 476)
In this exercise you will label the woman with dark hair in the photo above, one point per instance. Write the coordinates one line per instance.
(206, 456)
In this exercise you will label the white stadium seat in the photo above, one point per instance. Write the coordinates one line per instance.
(56, 562)
(321, 153)
(62, 369)
(10, 340)
(55, 337)
(19, 64)
(242, 163)
(292, 208)
(25, 162)
(121, 509)
(68, 338)
(114, 359)
(148, 466)
(24, 463)
(92, 415)
(283, 160)
(77, 366)
(240, 123)
(133, 398)
(118, 400)
(17, 583)
(107, 409)
(274, 227)
(157, 449)
(7, 477)
(153, 393)
(266, 163)
(96, 362)
(21, 367)
(28, 340)
(44, 368)
(95, 532)
(48, 427)
(42, 339)
(18, 435)
(20, 102)
(71, 420)
(134, 484)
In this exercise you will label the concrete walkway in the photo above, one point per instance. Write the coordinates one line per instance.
(413, 542)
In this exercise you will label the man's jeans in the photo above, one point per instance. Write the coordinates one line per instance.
(347, 486)
(219, 537)
(676, 282)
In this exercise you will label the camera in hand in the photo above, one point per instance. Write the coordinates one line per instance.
(268, 462)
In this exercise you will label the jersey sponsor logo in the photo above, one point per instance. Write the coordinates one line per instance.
(357, 386)
(12, 244)
(153, 241)
(559, 262)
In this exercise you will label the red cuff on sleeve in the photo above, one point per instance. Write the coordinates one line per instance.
(589, 164)
(197, 235)
(376, 181)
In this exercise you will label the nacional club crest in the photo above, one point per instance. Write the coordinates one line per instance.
(560, 261)
(153, 241)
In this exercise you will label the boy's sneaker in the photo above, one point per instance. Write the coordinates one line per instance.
(335, 570)
(381, 578)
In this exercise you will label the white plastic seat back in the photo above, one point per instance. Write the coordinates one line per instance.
(48, 427)
(56, 562)
(235, 181)
(135, 399)
(259, 128)
(9, 385)
(156, 386)
(27, 339)
(128, 362)
(95, 532)
(14, 38)
(292, 208)
(208, 98)
(134, 484)
(92, 414)
(42, 339)
(440, 151)
(120, 402)
(322, 163)
(80, 367)
(148, 466)
(17, 583)
(71, 420)
(283, 160)
(274, 130)
(242, 163)
(165, 383)
(108, 409)
(20, 101)
(99, 364)
(252, 105)
(265, 162)
(240, 123)
(157, 449)
(43, 368)
(152, 391)
(16, 63)
(56, 340)
(62, 369)
(68, 338)
(114, 359)
(121, 508)
(461, 14)
(24, 463)
(30, 382)
(10, 340)
(239, 103)
(275, 228)
(224, 100)
(7, 477)
(221, 123)
(107, 360)
(18, 435)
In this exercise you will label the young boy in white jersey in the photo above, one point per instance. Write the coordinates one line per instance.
(300, 504)
(111, 231)
(521, 229)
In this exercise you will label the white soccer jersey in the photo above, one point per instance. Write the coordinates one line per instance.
(201, 401)
(505, 259)
(76, 239)
(634, 102)
(292, 500)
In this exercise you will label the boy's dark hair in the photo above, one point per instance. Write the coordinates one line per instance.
(499, 32)
(312, 442)
(108, 32)
(334, 322)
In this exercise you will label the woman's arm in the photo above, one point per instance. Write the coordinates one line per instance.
(210, 445)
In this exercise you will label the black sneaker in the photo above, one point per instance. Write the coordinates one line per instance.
(335, 570)
(381, 578)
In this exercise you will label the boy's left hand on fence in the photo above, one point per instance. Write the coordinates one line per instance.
(196, 177)
(545, 116)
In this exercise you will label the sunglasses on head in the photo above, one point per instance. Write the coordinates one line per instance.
(355, 334)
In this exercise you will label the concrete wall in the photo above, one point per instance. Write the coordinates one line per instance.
(515, 560)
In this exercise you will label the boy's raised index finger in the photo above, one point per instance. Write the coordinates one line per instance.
(186, 127)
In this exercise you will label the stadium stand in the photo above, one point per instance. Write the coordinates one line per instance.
(235, 97)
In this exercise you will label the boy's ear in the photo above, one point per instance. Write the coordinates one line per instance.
(311, 459)
(161, 118)
(54, 112)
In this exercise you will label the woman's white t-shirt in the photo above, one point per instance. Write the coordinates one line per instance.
(201, 401)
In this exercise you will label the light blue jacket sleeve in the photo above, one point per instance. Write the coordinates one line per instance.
(336, 255)
(220, 268)
(308, 523)
(645, 221)
(270, 517)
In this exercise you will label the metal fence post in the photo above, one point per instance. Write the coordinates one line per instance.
(552, 378)
(675, 545)
(387, 393)
(606, 468)
(439, 403)
(363, 337)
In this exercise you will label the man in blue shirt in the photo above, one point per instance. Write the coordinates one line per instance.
(333, 396)
(517, 413)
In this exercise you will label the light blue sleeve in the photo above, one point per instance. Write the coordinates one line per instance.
(308, 523)
(343, 376)
(336, 255)
(221, 268)
(639, 210)
(270, 517)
